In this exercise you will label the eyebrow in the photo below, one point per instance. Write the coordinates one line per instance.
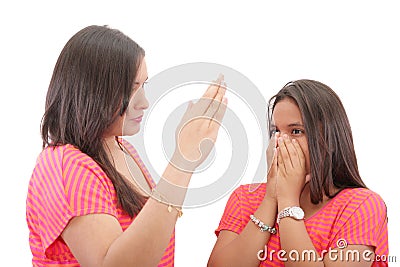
(296, 124)
(290, 125)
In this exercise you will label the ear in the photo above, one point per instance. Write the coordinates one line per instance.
(308, 178)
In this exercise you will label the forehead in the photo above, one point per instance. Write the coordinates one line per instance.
(286, 111)
(142, 70)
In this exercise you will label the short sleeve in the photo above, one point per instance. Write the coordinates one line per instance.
(232, 217)
(367, 225)
(68, 184)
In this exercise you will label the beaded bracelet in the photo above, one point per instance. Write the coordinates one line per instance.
(262, 226)
(162, 199)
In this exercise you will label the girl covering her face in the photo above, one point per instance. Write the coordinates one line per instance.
(314, 205)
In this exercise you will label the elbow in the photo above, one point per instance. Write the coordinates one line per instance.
(212, 262)
(215, 261)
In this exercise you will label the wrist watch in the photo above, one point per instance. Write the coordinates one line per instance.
(293, 212)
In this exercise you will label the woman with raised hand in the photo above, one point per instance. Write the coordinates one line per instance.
(314, 209)
(91, 201)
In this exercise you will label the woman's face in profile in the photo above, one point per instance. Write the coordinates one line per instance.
(129, 123)
(287, 119)
(137, 104)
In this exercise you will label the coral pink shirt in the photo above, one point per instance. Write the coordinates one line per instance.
(354, 216)
(66, 183)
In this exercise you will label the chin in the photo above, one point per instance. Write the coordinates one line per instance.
(131, 131)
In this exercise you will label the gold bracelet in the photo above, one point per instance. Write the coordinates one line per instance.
(163, 200)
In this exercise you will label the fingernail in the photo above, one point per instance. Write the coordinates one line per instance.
(285, 136)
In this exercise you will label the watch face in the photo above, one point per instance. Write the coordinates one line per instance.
(298, 213)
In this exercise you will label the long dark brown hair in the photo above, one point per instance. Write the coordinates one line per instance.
(90, 88)
(333, 161)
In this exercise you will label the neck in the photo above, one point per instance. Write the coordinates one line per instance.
(111, 145)
(306, 204)
(305, 199)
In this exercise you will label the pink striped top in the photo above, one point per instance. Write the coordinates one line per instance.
(355, 216)
(66, 183)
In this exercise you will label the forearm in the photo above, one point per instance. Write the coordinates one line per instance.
(294, 237)
(145, 240)
(245, 249)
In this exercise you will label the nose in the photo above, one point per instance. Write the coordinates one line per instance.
(144, 104)
(141, 101)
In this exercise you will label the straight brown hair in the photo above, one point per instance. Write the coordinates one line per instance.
(333, 161)
(90, 88)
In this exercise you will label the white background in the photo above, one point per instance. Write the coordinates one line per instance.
(352, 46)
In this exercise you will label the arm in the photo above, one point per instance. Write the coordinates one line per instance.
(98, 240)
(294, 236)
(293, 233)
(232, 249)
(242, 249)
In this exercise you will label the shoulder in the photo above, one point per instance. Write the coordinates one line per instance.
(243, 201)
(72, 155)
(359, 196)
(251, 190)
(360, 217)
(61, 154)
(249, 194)
(361, 202)
(64, 161)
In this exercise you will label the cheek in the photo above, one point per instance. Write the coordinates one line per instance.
(129, 109)
(116, 128)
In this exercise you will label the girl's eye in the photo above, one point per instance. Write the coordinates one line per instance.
(297, 131)
(272, 132)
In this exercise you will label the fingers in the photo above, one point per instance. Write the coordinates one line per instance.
(277, 134)
(300, 155)
(218, 103)
(190, 105)
(212, 90)
(216, 121)
(273, 167)
(215, 102)
(291, 152)
(271, 149)
(281, 164)
(284, 161)
(274, 164)
(221, 92)
(208, 104)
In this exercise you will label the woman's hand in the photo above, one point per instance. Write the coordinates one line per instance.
(291, 174)
(272, 166)
(198, 129)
